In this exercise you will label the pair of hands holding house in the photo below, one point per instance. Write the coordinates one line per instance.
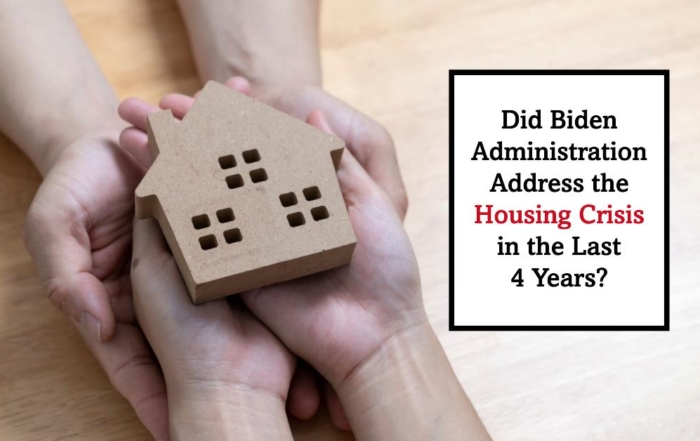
(235, 353)
(223, 367)
(227, 349)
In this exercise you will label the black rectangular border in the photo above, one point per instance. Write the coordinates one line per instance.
(666, 75)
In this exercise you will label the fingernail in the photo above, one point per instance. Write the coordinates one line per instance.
(91, 325)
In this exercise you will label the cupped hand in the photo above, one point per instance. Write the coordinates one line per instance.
(337, 319)
(78, 231)
(216, 357)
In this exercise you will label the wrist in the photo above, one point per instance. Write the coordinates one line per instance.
(47, 154)
(406, 389)
(74, 113)
(266, 70)
(268, 42)
(222, 410)
(404, 349)
(44, 110)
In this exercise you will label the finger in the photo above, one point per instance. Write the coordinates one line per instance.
(135, 141)
(159, 293)
(84, 298)
(374, 149)
(335, 409)
(355, 183)
(61, 250)
(304, 397)
(180, 104)
(148, 241)
(135, 111)
(135, 374)
(123, 307)
(161, 300)
(119, 291)
(239, 84)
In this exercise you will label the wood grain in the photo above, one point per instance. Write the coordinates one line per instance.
(390, 59)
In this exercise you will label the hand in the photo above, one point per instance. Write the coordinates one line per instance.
(78, 230)
(337, 319)
(226, 374)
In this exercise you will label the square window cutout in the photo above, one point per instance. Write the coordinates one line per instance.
(225, 215)
(227, 162)
(233, 236)
(251, 156)
(200, 221)
(296, 219)
(234, 181)
(258, 175)
(208, 242)
(288, 199)
(319, 213)
(312, 193)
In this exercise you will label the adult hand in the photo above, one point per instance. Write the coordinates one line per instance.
(337, 319)
(78, 230)
(227, 375)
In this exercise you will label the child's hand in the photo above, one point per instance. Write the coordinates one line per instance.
(224, 370)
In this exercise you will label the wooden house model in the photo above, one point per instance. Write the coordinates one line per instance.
(245, 195)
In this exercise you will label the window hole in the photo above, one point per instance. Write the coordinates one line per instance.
(208, 242)
(296, 219)
(233, 236)
(225, 215)
(312, 193)
(200, 221)
(234, 181)
(250, 156)
(227, 162)
(288, 199)
(319, 213)
(258, 175)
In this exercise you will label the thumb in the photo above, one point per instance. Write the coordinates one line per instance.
(158, 289)
(148, 242)
(160, 296)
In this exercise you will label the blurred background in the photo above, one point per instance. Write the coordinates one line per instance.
(390, 59)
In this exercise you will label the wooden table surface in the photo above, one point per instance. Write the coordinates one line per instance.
(390, 59)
